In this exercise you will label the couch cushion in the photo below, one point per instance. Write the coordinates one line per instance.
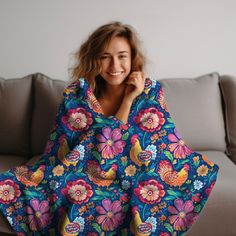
(15, 110)
(196, 108)
(48, 94)
(9, 161)
(228, 87)
(218, 216)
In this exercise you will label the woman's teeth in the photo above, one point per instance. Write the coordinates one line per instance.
(115, 73)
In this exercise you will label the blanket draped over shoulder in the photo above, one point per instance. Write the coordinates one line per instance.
(100, 176)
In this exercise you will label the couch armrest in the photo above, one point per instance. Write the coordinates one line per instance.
(228, 88)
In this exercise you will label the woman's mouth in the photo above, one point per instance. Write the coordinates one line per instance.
(115, 73)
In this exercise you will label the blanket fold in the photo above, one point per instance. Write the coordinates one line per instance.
(100, 176)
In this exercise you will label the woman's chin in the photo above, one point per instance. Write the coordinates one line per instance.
(115, 81)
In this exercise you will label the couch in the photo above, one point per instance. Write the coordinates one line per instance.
(203, 109)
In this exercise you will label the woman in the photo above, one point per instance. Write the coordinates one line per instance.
(111, 55)
(114, 163)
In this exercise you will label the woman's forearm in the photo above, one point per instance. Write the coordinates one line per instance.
(124, 110)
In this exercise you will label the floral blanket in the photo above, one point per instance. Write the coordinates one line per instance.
(100, 176)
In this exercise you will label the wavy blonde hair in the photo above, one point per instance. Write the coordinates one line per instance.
(87, 58)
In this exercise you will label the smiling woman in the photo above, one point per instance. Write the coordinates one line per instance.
(114, 163)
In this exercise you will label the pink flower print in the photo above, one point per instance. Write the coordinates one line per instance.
(161, 100)
(53, 198)
(38, 214)
(208, 190)
(78, 191)
(150, 191)
(49, 146)
(150, 119)
(9, 191)
(111, 215)
(77, 119)
(164, 234)
(196, 198)
(183, 215)
(110, 142)
(21, 234)
(92, 234)
(178, 146)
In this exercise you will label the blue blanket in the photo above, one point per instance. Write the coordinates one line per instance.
(100, 176)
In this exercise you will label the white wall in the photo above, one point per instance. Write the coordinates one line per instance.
(183, 38)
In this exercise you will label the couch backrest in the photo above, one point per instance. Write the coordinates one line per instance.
(28, 107)
(228, 87)
(196, 108)
(15, 115)
(48, 94)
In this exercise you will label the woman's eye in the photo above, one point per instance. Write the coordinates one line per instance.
(122, 56)
(104, 57)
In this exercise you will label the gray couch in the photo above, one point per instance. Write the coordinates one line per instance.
(203, 109)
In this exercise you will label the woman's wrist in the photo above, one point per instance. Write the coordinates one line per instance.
(128, 100)
(124, 110)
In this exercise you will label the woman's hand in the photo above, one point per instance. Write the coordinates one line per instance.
(135, 85)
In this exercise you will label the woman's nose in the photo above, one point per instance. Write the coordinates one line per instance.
(114, 61)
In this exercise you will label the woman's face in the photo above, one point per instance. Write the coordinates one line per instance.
(116, 61)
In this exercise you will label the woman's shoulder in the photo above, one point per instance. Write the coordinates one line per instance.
(75, 88)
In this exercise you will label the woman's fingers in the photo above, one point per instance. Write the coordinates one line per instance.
(136, 77)
(137, 80)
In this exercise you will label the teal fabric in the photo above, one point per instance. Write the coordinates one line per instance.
(100, 176)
